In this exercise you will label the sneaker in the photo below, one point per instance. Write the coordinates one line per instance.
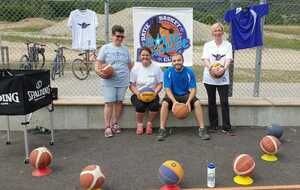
(41, 130)
(139, 129)
(202, 133)
(149, 128)
(162, 134)
(108, 132)
(116, 129)
(212, 129)
(228, 131)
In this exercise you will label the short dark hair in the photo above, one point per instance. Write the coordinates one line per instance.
(117, 28)
(146, 49)
(180, 55)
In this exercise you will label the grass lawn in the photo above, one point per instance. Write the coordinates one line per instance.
(284, 29)
(271, 42)
(22, 39)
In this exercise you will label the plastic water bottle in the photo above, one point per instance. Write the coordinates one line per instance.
(211, 175)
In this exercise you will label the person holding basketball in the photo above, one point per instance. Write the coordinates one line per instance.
(180, 87)
(114, 88)
(217, 56)
(145, 84)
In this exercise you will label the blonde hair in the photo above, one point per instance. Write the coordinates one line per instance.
(217, 25)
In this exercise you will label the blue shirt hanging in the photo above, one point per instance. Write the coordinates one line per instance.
(246, 25)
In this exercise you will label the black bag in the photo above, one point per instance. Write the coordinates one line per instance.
(24, 91)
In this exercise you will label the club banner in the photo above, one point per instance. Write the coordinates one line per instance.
(166, 31)
(23, 92)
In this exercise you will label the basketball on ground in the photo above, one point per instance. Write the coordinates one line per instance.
(269, 144)
(180, 110)
(171, 173)
(243, 165)
(275, 130)
(91, 177)
(40, 158)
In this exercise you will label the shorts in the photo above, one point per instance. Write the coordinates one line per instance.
(181, 99)
(142, 106)
(113, 94)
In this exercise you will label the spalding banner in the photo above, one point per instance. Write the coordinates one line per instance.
(23, 92)
(166, 31)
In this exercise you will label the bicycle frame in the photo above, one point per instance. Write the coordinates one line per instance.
(33, 52)
(58, 62)
(81, 67)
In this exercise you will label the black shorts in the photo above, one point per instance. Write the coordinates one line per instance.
(142, 106)
(181, 99)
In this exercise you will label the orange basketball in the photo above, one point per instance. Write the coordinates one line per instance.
(180, 111)
(40, 158)
(108, 71)
(243, 165)
(91, 177)
(269, 144)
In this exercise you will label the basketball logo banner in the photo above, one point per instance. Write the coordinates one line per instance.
(165, 31)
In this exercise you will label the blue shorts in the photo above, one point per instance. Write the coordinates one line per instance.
(113, 94)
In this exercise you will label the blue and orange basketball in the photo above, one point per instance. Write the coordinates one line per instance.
(147, 95)
(171, 173)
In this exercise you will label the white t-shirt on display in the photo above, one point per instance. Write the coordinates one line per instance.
(83, 24)
(216, 54)
(146, 76)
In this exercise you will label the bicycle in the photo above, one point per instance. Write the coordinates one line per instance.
(81, 67)
(59, 61)
(35, 54)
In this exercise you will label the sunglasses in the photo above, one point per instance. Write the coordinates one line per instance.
(120, 36)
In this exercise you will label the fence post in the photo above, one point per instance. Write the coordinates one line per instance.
(106, 22)
(231, 66)
(258, 61)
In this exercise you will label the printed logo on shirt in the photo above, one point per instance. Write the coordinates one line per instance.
(218, 57)
(116, 57)
(165, 35)
(83, 25)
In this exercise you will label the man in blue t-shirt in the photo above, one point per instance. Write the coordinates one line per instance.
(246, 25)
(180, 87)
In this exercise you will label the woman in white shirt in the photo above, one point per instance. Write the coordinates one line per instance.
(217, 52)
(145, 75)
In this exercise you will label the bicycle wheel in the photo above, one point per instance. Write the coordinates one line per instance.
(62, 67)
(24, 62)
(54, 68)
(80, 69)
